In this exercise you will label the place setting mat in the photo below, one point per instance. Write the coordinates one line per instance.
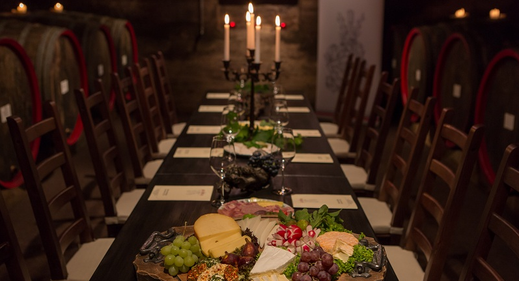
(313, 158)
(203, 129)
(333, 201)
(192, 152)
(298, 109)
(211, 108)
(306, 133)
(218, 96)
(181, 193)
(290, 97)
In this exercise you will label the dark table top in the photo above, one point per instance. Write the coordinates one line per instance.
(149, 216)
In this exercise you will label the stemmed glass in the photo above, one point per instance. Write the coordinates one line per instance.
(230, 122)
(221, 156)
(283, 149)
(279, 113)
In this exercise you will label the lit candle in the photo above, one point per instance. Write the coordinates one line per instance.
(495, 14)
(226, 43)
(258, 29)
(278, 37)
(250, 27)
(58, 7)
(460, 13)
(22, 8)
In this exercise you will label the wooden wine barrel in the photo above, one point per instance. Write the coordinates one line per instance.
(397, 37)
(123, 36)
(20, 96)
(457, 75)
(59, 65)
(96, 42)
(497, 107)
(421, 50)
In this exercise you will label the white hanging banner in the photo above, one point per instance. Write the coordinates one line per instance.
(346, 27)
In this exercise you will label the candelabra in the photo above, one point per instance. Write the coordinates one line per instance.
(253, 74)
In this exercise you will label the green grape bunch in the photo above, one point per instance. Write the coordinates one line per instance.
(182, 254)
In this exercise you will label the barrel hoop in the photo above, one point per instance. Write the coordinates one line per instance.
(36, 101)
(134, 41)
(481, 101)
(403, 65)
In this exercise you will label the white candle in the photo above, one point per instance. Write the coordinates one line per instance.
(22, 8)
(258, 29)
(494, 14)
(226, 40)
(278, 38)
(250, 30)
(58, 7)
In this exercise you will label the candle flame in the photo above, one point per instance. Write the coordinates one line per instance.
(58, 6)
(22, 8)
(460, 13)
(494, 13)
(226, 19)
(247, 16)
(251, 8)
(21, 5)
(258, 20)
(278, 21)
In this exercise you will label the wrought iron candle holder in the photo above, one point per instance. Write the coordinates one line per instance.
(253, 74)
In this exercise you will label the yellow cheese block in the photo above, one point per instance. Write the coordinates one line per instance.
(210, 226)
(217, 240)
(229, 247)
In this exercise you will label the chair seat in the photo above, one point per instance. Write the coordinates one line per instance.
(330, 129)
(341, 148)
(379, 216)
(404, 264)
(83, 264)
(165, 146)
(126, 204)
(178, 128)
(356, 175)
(151, 168)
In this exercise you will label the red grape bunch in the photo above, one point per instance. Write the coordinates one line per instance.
(315, 265)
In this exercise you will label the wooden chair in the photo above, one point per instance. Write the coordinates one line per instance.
(363, 175)
(10, 253)
(345, 147)
(118, 196)
(388, 213)
(494, 224)
(438, 202)
(334, 128)
(149, 103)
(144, 163)
(84, 262)
(165, 95)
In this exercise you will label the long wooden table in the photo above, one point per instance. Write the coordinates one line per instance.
(149, 216)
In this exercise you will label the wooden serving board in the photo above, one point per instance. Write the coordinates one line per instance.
(149, 271)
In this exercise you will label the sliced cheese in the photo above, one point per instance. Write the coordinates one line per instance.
(229, 246)
(217, 240)
(267, 230)
(215, 225)
(272, 260)
(342, 250)
(270, 203)
(258, 229)
(253, 222)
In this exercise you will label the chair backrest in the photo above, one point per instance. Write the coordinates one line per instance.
(355, 106)
(396, 187)
(442, 191)
(132, 121)
(346, 81)
(347, 93)
(149, 103)
(102, 143)
(164, 92)
(494, 224)
(70, 193)
(372, 147)
(10, 253)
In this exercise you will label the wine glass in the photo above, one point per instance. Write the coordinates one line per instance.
(283, 149)
(221, 156)
(279, 113)
(230, 122)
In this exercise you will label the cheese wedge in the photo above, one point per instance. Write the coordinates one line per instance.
(219, 250)
(211, 226)
(273, 260)
(207, 244)
(262, 238)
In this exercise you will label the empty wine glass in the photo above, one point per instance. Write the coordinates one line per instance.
(221, 156)
(283, 149)
(279, 112)
(230, 122)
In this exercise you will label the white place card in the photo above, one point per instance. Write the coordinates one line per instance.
(192, 152)
(315, 201)
(290, 97)
(200, 129)
(218, 96)
(313, 158)
(298, 109)
(211, 108)
(307, 133)
(181, 193)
